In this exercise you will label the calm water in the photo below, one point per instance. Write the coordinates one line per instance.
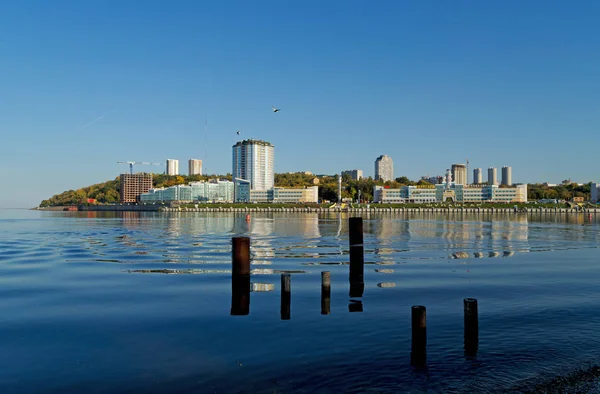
(140, 302)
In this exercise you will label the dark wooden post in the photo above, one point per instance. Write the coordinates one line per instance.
(240, 255)
(325, 293)
(419, 335)
(240, 276)
(471, 326)
(286, 296)
(357, 257)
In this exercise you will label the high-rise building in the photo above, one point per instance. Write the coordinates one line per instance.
(459, 174)
(353, 174)
(253, 161)
(195, 167)
(477, 176)
(492, 176)
(132, 185)
(507, 176)
(172, 167)
(384, 168)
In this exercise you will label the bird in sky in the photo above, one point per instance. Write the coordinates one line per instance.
(275, 109)
(239, 132)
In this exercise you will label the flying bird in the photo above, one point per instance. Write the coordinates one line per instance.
(275, 109)
(239, 132)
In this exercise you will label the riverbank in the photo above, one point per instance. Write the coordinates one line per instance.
(385, 210)
(374, 208)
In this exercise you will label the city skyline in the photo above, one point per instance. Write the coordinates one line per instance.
(426, 83)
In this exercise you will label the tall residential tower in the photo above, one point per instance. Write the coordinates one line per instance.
(172, 167)
(253, 162)
(507, 176)
(459, 174)
(492, 176)
(384, 168)
(194, 167)
(477, 176)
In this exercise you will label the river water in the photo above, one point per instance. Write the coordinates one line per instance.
(141, 302)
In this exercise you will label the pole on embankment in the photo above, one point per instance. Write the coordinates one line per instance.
(357, 257)
(471, 326)
(419, 335)
(286, 296)
(325, 293)
(240, 276)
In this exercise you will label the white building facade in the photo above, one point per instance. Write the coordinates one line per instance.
(384, 168)
(172, 167)
(214, 191)
(253, 161)
(194, 167)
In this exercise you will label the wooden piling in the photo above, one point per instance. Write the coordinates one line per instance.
(357, 258)
(286, 296)
(240, 255)
(325, 293)
(471, 329)
(419, 335)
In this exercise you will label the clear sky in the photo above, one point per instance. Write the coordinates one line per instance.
(84, 84)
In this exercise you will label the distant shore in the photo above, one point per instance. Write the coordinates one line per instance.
(372, 208)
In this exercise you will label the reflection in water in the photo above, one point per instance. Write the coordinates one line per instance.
(355, 306)
(240, 295)
(286, 296)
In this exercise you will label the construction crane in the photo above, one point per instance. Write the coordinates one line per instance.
(131, 163)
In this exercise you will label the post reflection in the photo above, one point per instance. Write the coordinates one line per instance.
(240, 295)
(355, 306)
(286, 296)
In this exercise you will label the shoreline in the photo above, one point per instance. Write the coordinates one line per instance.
(372, 209)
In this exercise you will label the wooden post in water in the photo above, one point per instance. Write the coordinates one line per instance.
(240, 276)
(419, 335)
(471, 326)
(240, 255)
(357, 257)
(325, 293)
(286, 296)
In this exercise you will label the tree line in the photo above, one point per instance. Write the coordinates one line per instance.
(108, 192)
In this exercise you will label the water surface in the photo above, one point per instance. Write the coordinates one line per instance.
(141, 302)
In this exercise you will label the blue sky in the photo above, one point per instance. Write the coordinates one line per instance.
(88, 83)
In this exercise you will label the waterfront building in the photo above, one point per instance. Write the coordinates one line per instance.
(213, 191)
(492, 176)
(507, 176)
(133, 185)
(453, 192)
(172, 167)
(355, 175)
(194, 167)
(253, 161)
(243, 193)
(459, 174)
(477, 176)
(384, 168)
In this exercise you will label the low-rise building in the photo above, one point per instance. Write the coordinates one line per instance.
(214, 191)
(456, 193)
(243, 193)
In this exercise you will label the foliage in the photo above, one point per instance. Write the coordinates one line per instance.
(108, 192)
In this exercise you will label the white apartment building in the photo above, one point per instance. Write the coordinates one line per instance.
(253, 161)
(384, 168)
(194, 167)
(172, 167)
